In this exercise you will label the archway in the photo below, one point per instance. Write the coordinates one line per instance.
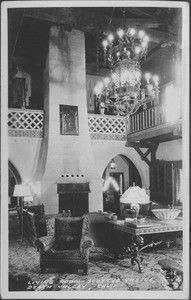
(13, 179)
(116, 180)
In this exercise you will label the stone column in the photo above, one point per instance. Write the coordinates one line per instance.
(66, 158)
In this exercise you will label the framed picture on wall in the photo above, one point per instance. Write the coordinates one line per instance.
(69, 120)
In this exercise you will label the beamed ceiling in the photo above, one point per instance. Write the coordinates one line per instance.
(28, 31)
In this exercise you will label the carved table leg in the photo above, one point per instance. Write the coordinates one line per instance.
(137, 241)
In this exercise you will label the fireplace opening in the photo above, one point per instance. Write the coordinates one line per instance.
(74, 197)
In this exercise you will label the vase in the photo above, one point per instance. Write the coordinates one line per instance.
(102, 110)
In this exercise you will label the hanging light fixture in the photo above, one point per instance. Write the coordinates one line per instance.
(112, 164)
(126, 89)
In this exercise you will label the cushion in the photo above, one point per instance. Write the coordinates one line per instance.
(68, 232)
(50, 226)
(40, 222)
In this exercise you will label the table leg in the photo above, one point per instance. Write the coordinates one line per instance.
(137, 241)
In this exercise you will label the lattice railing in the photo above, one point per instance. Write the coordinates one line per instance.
(25, 122)
(107, 127)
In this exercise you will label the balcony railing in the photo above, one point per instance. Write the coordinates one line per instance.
(146, 119)
(104, 127)
(25, 122)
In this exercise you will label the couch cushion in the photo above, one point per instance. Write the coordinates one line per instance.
(68, 232)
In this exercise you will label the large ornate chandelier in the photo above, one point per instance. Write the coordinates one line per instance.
(126, 89)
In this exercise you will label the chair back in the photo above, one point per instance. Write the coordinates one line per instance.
(69, 231)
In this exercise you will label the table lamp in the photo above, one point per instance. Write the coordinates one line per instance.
(23, 191)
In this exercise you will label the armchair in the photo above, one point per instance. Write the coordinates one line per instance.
(66, 245)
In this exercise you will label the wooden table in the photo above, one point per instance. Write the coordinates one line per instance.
(150, 226)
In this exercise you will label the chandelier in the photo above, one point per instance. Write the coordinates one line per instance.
(126, 89)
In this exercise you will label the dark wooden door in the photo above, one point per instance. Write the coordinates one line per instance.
(134, 176)
(161, 182)
(77, 203)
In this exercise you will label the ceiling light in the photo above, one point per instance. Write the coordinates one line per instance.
(123, 54)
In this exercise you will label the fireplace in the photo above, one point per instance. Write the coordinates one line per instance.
(73, 197)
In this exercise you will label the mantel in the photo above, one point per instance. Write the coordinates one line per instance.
(65, 188)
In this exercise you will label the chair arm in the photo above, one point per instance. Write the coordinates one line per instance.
(86, 243)
(45, 243)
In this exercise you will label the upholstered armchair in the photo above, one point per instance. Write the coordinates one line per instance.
(66, 245)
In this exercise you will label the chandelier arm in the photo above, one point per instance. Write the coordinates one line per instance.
(126, 91)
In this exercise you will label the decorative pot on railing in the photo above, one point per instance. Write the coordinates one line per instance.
(102, 108)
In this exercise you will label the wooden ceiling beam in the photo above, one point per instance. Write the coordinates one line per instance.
(160, 36)
(95, 23)
(139, 12)
(151, 53)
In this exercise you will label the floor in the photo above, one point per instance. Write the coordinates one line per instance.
(104, 274)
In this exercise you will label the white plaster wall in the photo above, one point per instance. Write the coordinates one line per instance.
(104, 151)
(24, 153)
(170, 150)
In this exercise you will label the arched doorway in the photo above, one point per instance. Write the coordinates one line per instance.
(14, 178)
(116, 180)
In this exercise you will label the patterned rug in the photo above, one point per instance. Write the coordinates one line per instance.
(104, 274)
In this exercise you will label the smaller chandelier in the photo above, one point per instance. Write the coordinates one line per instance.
(126, 89)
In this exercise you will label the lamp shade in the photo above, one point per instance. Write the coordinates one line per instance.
(22, 190)
(28, 199)
(134, 194)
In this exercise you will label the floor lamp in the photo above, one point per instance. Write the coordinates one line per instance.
(23, 191)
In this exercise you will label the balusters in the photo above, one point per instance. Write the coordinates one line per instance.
(153, 121)
(156, 115)
(130, 125)
(139, 122)
(135, 122)
(144, 119)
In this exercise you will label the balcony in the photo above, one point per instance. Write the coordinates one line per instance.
(29, 123)
(144, 126)
(150, 126)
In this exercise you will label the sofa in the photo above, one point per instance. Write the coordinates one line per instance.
(99, 230)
